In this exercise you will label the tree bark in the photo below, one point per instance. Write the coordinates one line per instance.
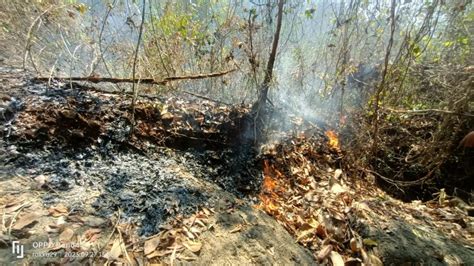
(271, 60)
(381, 86)
(134, 84)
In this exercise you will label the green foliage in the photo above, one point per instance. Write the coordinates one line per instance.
(172, 23)
(309, 13)
(82, 8)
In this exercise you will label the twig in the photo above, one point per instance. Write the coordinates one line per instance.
(110, 235)
(124, 248)
(135, 84)
(95, 79)
(100, 43)
(424, 111)
(52, 69)
(380, 88)
(388, 180)
(30, 30)
(14, 218)
(72, 63)
(150, 97)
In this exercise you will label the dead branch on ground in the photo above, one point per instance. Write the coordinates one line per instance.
(95, 79)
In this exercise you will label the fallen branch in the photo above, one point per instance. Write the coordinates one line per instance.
(95, 79)
(428, 111)
(148, 96)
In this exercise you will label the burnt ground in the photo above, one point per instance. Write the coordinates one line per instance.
(189, 187)
(70, 147)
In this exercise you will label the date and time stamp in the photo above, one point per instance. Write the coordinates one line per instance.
(67, 254)
(53, 250)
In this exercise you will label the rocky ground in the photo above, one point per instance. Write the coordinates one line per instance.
(188, 187)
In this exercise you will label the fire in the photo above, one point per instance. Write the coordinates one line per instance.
(268, 196)
(268, 203)
(269, 184)
(333, 140)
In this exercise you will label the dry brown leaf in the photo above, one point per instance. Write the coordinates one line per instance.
(114, 252)
(321, 231)
(355, 247)
(189, 221)
(157, 264)
(188, 233)
(336, 259)
(201, 222)
(154, 254)
(337, 188)
(173, 255)
(337, 173)
(373, 260)
(66, 235)
(313, 223)
(195, 230)
(13, 208)
(211, 226)
(206, 211)
(336, 214)
(236, 229)
(347, 199)
(58, 210)
(324, 253)
(26, 220)
(186, 258)
(52, 228)
(92, 234)
(151, 245)
(159, 253)
(193, 246)
(11, 201)
(304, 231)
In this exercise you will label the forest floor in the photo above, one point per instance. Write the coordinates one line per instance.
(189, 188)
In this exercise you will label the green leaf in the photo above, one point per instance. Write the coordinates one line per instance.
(82, 8)
(370, 242)
(309, 13)
(448, 44)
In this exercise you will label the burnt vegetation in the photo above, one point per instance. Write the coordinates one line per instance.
(254, 132)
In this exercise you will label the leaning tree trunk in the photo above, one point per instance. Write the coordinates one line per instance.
(271, 60)
(260, 104)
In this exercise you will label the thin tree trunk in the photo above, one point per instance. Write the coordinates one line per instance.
(381, 86)
(135, 86)
(271, 60)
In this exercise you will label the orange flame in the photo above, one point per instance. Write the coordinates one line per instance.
(333, 140)
(268, 196)
(268, 203)
(269, 184)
